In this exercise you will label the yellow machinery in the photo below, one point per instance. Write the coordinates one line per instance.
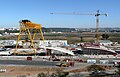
(29, 29)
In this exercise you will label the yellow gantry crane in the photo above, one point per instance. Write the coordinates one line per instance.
(97, 20)
(29, 29)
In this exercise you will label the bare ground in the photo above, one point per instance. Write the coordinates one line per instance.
(30, 71)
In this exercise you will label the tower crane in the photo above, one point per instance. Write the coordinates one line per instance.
(97, 14)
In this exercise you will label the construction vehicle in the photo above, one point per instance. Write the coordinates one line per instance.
(66, 63)
(29, 31)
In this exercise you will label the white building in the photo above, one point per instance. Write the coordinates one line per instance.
(105, 42)
(53, 43)
(7, 42)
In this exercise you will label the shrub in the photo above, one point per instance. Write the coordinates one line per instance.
(22, 76)
(95, 68)
(41, 75)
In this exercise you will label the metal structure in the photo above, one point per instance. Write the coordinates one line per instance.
(29, 30)
(97, 24)
(97, 20)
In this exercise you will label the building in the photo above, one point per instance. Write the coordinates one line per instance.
(53, 43)
(96, 49)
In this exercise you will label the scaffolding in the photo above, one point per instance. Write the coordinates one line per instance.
(29, 30)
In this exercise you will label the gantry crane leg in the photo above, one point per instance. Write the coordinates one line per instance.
(25, 27)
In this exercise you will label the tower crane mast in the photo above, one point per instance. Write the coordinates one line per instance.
(97, 14)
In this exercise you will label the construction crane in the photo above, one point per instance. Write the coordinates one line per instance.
(28, 29)
(97, 14)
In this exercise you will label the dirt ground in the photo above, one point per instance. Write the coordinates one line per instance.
(29, 71)
(32, 71)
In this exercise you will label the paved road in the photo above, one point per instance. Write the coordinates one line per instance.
(27, 62)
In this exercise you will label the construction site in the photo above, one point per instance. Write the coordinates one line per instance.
(59, 38)
(30, 54)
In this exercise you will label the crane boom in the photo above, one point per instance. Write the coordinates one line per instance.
(73, 13)
(95, 14)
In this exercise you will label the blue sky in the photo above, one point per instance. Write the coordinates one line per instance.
(38, 11)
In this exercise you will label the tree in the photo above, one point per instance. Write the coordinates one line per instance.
(105, 36)
(81, 39)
